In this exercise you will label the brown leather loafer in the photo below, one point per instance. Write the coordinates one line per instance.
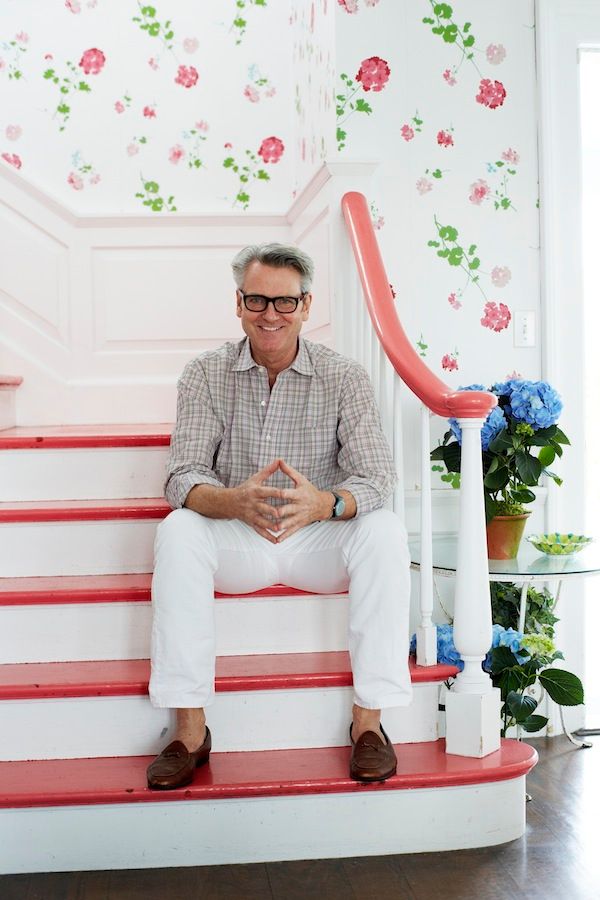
(371, 760)
(174, 767)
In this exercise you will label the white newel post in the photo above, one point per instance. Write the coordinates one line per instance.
(426, 631)
(473, 704)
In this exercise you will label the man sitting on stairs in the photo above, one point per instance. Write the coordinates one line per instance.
(277, 474)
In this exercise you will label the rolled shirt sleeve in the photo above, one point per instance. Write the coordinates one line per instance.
(364, 451)
(195, 439)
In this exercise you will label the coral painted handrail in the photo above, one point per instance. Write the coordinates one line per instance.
(436, 395)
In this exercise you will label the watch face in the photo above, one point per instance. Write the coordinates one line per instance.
(340, 506)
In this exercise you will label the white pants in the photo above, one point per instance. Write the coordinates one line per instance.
(195, 555)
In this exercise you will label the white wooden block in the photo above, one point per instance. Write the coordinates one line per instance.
(473, 723)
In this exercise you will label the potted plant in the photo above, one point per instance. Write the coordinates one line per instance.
(519, 441)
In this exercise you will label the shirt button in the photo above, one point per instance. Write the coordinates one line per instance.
(268, 437)
(263, 402)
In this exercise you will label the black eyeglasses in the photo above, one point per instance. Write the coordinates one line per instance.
(258, 303)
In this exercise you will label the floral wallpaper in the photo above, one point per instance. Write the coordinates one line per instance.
(133, 107)
(446, 93)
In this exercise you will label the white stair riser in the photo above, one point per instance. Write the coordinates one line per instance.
(115, 546)
(68, 728)
(81, 474)
(261, 829)
(90, 631)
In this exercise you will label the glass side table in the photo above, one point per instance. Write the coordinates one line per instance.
(529, 567)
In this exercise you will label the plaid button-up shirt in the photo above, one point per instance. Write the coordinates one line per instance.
(320, 417)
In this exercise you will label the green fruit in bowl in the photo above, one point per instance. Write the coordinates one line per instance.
(557, 544)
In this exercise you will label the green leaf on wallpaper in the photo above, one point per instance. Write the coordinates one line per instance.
(443, 254)
(228, 162)
(63, 109)
(149, 11)
(157, 204)
(340, 134)
(448, 233)
(433, 243)
(169, 35)
(437, 173)
(456, 255)
(499, 163)
(505, 203)
(82, 86)
(154, 29)
(339, 111)
(450, 34)
(243, 197)
(239, 22)
(197, 163)
(363, 106)
(151, 187)
(475, 263)
(469, 41)
(471, 249)
(439, 29)
(466, 27)
(49, 73)
(262, 175)
(443, 10)
(428, 21)
(64, 90)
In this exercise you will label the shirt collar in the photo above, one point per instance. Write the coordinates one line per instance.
(302, 363)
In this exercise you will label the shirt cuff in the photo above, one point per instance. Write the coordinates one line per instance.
(179, 486)
(366, 496)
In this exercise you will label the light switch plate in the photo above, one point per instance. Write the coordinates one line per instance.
(524, 325)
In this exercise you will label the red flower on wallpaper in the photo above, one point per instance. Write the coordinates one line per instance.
(149, 112)
(449, 362)
(186, 76)
(374, 73)
(13, 159)
(92, 61)
(496, 316)
(445, 139)
(271, 150)
(491, 93)
(407, 132)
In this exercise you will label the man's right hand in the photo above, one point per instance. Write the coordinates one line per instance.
(246, 502)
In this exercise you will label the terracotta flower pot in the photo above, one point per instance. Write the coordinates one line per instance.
(504, 535)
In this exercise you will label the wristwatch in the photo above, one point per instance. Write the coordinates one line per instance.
(338, 507)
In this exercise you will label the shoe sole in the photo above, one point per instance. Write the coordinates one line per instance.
(173, 787)
(370, 780)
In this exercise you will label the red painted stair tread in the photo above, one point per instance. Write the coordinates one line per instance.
(250, 774)
(83, 510)
(102, 589)
(110, 678)
(79, 436)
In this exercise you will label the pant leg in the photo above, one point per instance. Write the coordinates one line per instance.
(369, 556)
(193, 555)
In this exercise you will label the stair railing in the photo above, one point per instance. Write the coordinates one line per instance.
(473, 704)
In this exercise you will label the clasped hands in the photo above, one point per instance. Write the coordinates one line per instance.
(304, 503)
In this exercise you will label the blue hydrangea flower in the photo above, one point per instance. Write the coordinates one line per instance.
(506, 637)
(493, 425)
(446, 651)
(536, 403)
(505, 388)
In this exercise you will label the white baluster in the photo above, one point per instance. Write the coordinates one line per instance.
(397, 448)
(426, 631)
(473, 704)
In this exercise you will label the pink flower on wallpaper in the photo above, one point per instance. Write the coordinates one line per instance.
(511, 156)
(95, 179)
(445, 139)
(449, 77)
(13, 159)
(187, 76)
(270, 91)
(491, 93)
(271, 150)
(202, 125)
(149, 112)
(228, 146)
(73, 6)
(501, 275)
(449, 363)
(424, 185)
(251, 93)
(92, 61)
(119, 107)
(513, 374)
(75, 181)
(496, 316)
(13, 132)
(407, 132)
(153, 63)
(48, 56)
(2, 64)
(190, 45)
(495, 54)
(454, 303)
(479, 191)
(176, 153)
(22, 37)
(132, 149)
(350, 6)
(374, 73)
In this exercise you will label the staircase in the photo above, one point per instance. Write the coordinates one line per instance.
(78, 729)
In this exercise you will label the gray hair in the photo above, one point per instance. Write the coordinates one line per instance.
(281, 256)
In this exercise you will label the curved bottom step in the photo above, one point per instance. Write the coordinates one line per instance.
(257, 807)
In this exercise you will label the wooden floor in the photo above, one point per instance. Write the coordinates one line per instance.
(557, 859)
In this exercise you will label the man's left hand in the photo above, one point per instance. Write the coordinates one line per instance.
(305, 503)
